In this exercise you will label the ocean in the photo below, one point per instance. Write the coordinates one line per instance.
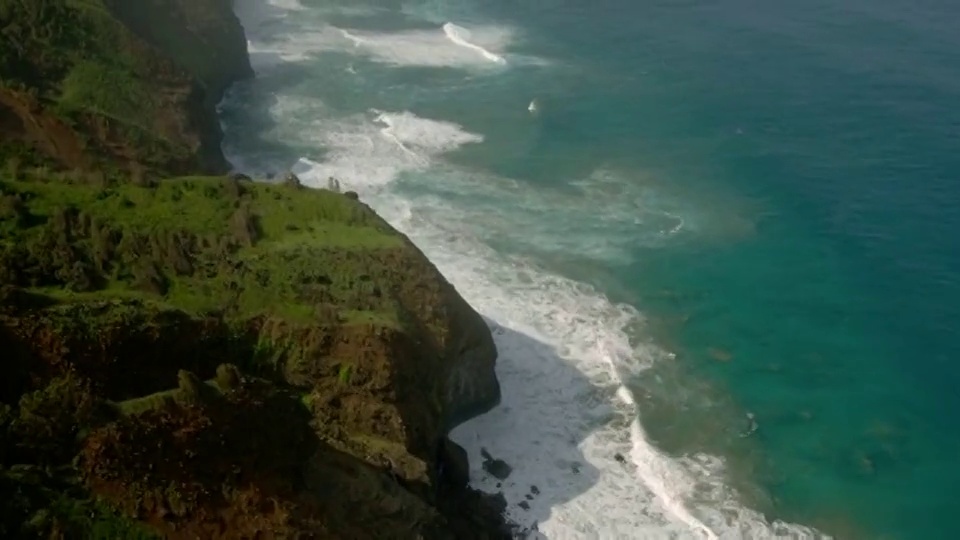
(712, 240)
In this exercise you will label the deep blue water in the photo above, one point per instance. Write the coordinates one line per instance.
(811, 152)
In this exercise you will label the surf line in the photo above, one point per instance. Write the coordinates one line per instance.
(646, 460)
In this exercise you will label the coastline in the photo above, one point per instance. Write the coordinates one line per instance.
(565, 348)
(769, 318)
(206, 352)
(523, 488)
(522, 377)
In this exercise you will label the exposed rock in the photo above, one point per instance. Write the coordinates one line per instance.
(292, 312)
(193, 357)
(203, 36)
(292, 181)
(497, 468)
(453, 464)
(228, 377)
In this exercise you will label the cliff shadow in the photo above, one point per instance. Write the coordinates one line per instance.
(247, 110)
(527, 447)
(249, 123)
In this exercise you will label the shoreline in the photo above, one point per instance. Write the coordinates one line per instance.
(191, 351)
(474, 465)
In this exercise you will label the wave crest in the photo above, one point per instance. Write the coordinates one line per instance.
(460, 36)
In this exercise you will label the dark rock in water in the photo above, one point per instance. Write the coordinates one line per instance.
(529, 497)
(292, 180)
(497, 468)
(499, 485)
(535, 490)
(352, 195)
(524, 504)
(575, 469)
(270, 175)
(619, 457)
(752, 425)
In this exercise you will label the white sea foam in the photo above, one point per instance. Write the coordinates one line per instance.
(566, 414)
(366, 152)
(285, 30)
(590, 220)
(562, 348)
(460, 36)
(432, 47)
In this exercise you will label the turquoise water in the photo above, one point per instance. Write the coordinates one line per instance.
(774, 187)
(841, 309)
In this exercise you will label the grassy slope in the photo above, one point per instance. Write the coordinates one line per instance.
(118, 284)
(294, 255)
(86, 68)
(180, 28)
(78, 56)
(295, 266)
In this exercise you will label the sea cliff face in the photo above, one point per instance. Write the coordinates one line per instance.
(118, 86)
(207, 356)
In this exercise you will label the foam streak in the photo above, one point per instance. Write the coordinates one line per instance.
(459, 35)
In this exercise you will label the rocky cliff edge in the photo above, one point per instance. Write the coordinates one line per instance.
(207, 356)
(113, 85)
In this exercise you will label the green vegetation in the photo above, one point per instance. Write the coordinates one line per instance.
(95, 519)
(44, 504)
(343, 375)
(185, 353)
(199, 244)
(80, 58)
(117, 279)
(50, 420)
(94, 86)
(182, 27)
(117, 85)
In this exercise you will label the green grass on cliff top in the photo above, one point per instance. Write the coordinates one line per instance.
(84, 60)
(315, 258)
(84, 52)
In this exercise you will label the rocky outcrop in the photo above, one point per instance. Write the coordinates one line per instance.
(219, 354)
(471, 383)
(207, 357)
(202, 36)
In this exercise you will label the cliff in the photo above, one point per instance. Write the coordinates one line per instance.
(116, 86)
(207, 356)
